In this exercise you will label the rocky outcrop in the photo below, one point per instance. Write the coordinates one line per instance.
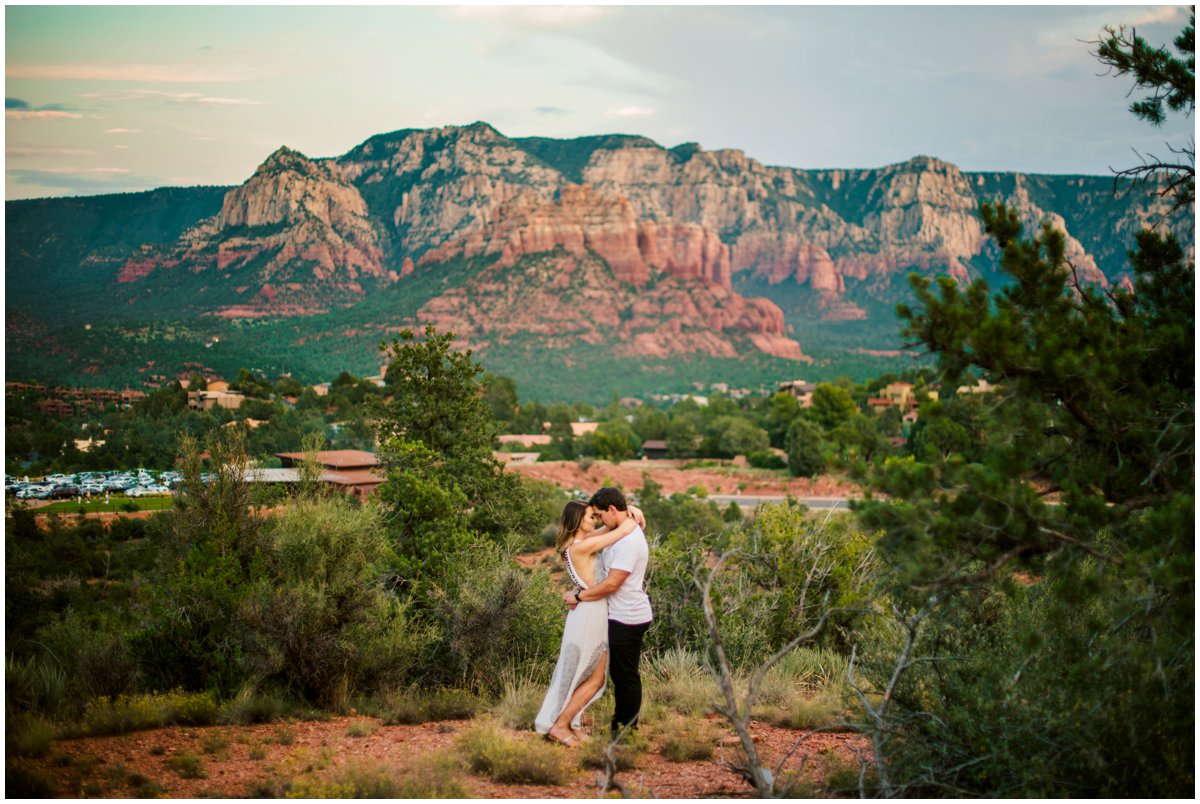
(299, 230)
(301, 233)
(581, 220)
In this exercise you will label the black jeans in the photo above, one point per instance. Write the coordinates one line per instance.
(624, 654)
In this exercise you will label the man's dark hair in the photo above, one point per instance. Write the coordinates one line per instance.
(609, 496)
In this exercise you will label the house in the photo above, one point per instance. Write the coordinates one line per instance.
(525, 439)
(583, 428)
(800, 389)
(322, 389)
(981, 387)
(351, 471)
(517, 458)
(207, 400)
(218, 385)
(654, 449)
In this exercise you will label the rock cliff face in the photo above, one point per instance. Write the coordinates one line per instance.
(296, 231)
(665, 230)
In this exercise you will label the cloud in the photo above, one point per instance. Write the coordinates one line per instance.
(66, 181)
(630, 111)
(123, 131)
(18, 109)
(70, 171)
(144, 73)
(230, 101)
(557, 110)
(20, 151)
(534, 16)
(121, 95)
(40, 114)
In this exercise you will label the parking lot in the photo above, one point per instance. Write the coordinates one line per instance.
(91, 485)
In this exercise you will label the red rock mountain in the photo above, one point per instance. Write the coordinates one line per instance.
(608, 239)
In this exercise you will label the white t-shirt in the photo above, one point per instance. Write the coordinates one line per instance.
(630, 604)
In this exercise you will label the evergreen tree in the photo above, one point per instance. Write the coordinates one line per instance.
(1077, 673)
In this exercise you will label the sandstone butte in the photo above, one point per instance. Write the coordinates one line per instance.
(654, 234)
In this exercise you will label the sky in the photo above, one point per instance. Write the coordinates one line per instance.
(105, 99)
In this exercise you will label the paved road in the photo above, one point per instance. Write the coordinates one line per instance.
(750, 501)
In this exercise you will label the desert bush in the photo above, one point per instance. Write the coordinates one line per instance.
(625, 753)
(28, 735)
(24, 781)
(521, 697)
(321, 621)
(678, 680)
(1044, 687)
(495, 617)
(688, 740)
(94, 660)
(362, 728)
(187, 765)
(432, 776)
(35, 684)
(492, 751)
(214, 742)
(414, 706)
(126, 713)
(255, 706)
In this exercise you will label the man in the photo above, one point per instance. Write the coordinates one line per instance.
(629, 613)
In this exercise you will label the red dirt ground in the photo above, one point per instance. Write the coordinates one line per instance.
(87, 767)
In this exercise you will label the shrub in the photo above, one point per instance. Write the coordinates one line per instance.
(251, 706)
(765, 459)
(491, 751)
(520, 700)
(187, 765)
(414, 706)
(432, 776)
(322, 623)
(28, 736)
(126, 713)
(679, 681)
(23, 781)
(688, 740)
(214, 742)
(38, 684)
(625, 753)
(495, 617)
(94, 660)
(362, 728)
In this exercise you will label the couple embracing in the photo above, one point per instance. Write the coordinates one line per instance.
(605, 552)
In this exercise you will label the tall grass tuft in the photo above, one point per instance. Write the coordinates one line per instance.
(490, 750)
(679, 681)
(521, 697)
(28, 736)
(126, 713)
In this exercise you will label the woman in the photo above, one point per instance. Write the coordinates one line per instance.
(578, 678)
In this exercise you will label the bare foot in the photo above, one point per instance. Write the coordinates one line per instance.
(562, 736)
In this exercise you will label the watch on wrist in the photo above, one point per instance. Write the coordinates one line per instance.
(577, 599)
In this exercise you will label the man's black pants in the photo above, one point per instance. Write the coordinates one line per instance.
(624, 654)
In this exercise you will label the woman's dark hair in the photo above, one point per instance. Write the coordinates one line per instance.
(572, 516)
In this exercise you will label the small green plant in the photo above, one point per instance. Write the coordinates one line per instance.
(361, 728)
(285, 735)
(158, 750)
(258, 753)
(699, 490)
(688, 741)
(214, 743)
(256, 707)
(23, 781)
(188, 766)
(353, 780)
(412, 706)
(625, 753)
(126, 713)
(432, 776)
(28, 736)
(143, 787)
(492, 751)
(520, 699)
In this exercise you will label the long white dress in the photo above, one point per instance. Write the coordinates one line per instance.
(585, 639)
